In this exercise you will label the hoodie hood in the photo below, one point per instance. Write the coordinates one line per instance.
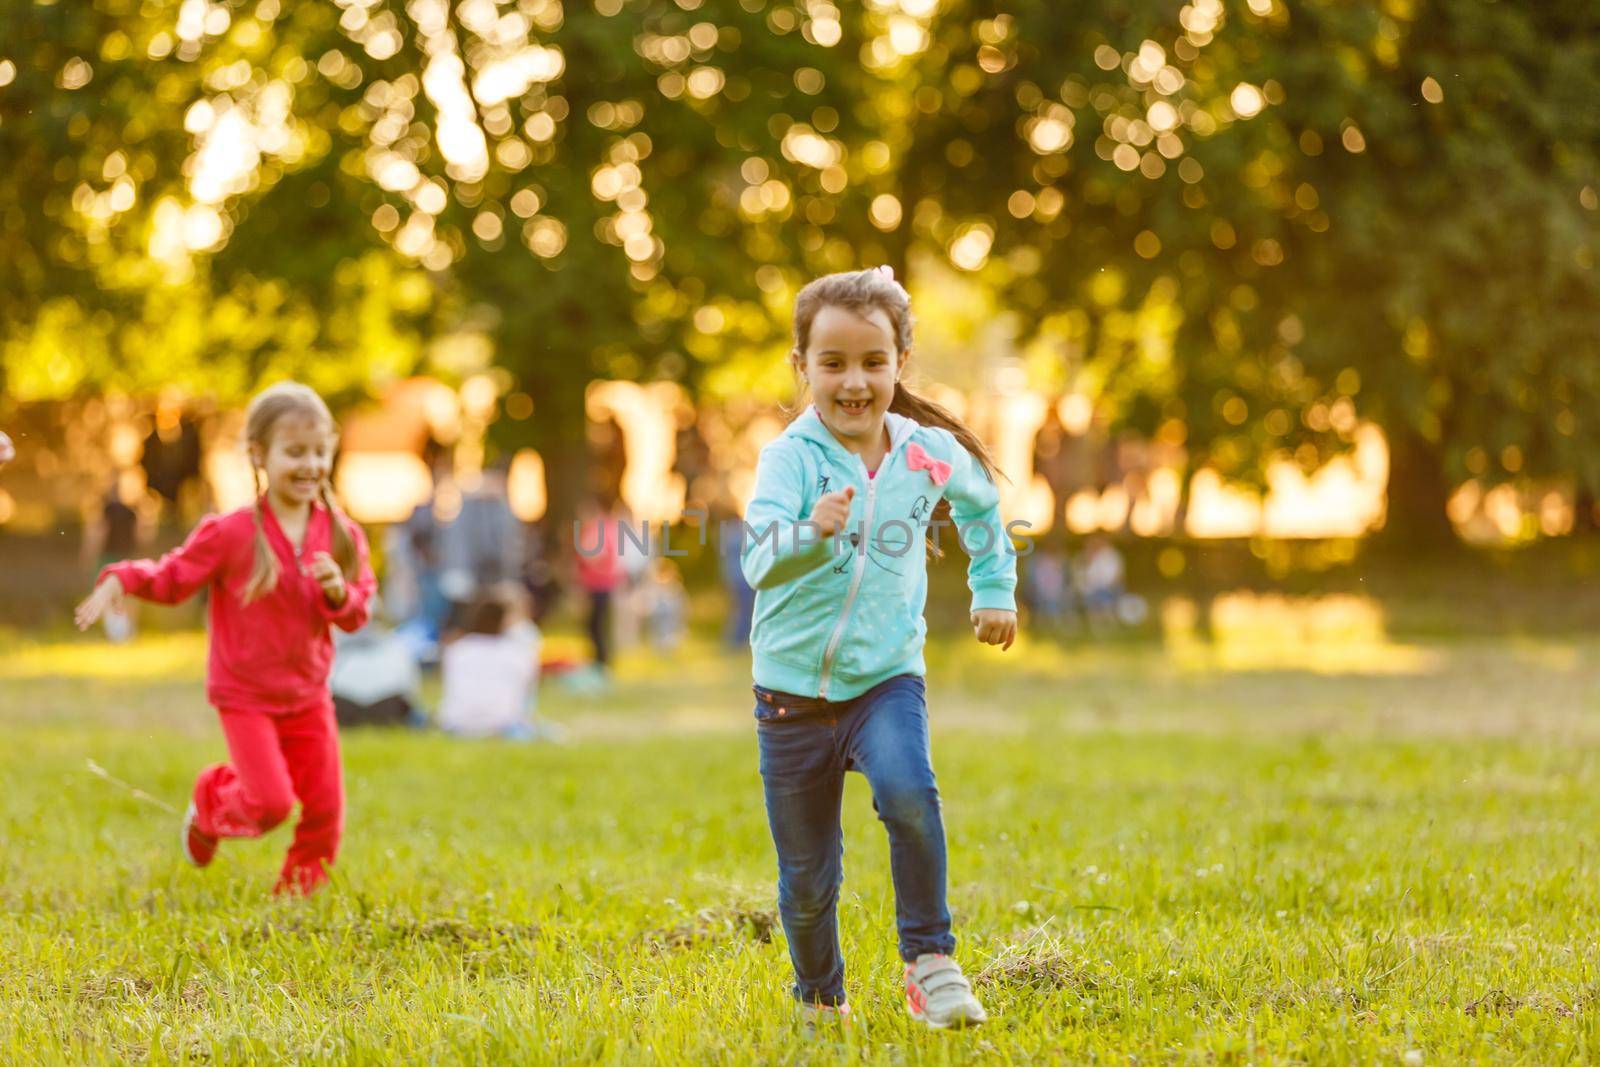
(808, 425)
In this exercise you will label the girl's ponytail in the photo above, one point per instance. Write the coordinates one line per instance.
(925, 411)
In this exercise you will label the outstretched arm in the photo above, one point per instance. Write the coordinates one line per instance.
(179, 574)
(171, 579)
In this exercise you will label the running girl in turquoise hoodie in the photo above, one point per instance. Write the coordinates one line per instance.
(845, 502)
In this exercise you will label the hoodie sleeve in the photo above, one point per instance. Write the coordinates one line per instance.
(776, 549)
(975, 508)
(179, 574)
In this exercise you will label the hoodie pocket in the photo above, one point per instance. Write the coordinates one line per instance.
(796, 629)
(883, 632)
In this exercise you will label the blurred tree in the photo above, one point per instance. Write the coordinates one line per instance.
(123, 151)
(1384, 208)
(1237, 226)
(608, 190)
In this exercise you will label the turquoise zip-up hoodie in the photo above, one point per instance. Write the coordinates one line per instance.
(835, 616)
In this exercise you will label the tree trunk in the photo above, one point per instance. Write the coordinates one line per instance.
(1585, 516)
(1418, 493)
(560, 432)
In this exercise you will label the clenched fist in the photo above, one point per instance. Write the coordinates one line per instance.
(832, 512)
(329, 577)
(995, 626)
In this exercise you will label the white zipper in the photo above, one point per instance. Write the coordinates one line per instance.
(855, 579)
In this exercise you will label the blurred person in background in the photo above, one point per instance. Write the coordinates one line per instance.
(1047, 585)
(630, 603)
(114, 534)
(1100, 578)
(412, 580)
(376, 678)
(539, 575)
(597, 562)
(490, 670)
(483, 547)
(741, 597)
(666, 605)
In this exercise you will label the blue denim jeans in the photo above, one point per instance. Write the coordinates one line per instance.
(806, 746)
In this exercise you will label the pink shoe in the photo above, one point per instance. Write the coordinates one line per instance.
(198, 848)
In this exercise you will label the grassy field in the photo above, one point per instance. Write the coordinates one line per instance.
(1297, 839)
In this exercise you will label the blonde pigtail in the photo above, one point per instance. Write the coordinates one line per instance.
(344, 546)
(264, 575)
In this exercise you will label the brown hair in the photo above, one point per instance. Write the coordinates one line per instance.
(861, 291)
(269, 406)
(486, 615)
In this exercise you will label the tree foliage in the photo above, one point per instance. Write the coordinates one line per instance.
(1237, 226)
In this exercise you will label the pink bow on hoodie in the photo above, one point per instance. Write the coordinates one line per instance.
(918, 460)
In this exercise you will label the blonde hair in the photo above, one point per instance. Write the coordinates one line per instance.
(269, 407)
(860, 291)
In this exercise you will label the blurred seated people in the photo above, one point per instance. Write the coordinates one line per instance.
(1101, 575)
(1047, 585)
(490, 670)
(666, 604)
(375, 678)
(539, 574)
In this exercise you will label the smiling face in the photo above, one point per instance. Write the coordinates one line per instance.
(296, 459)
(851, 364)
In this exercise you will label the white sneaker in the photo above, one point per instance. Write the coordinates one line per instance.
(937, 993)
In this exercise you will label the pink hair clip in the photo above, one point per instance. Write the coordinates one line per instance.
(888, 275)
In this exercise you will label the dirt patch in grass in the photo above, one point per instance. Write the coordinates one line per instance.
(723, 923)
(1498, 1002)
(378, 931)
(1040, 961)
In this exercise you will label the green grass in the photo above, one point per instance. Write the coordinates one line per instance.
(1299, 841)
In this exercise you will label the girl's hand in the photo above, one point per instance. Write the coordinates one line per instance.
(329, 577)
(833, 511)
(995, 626)
(106, 596)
